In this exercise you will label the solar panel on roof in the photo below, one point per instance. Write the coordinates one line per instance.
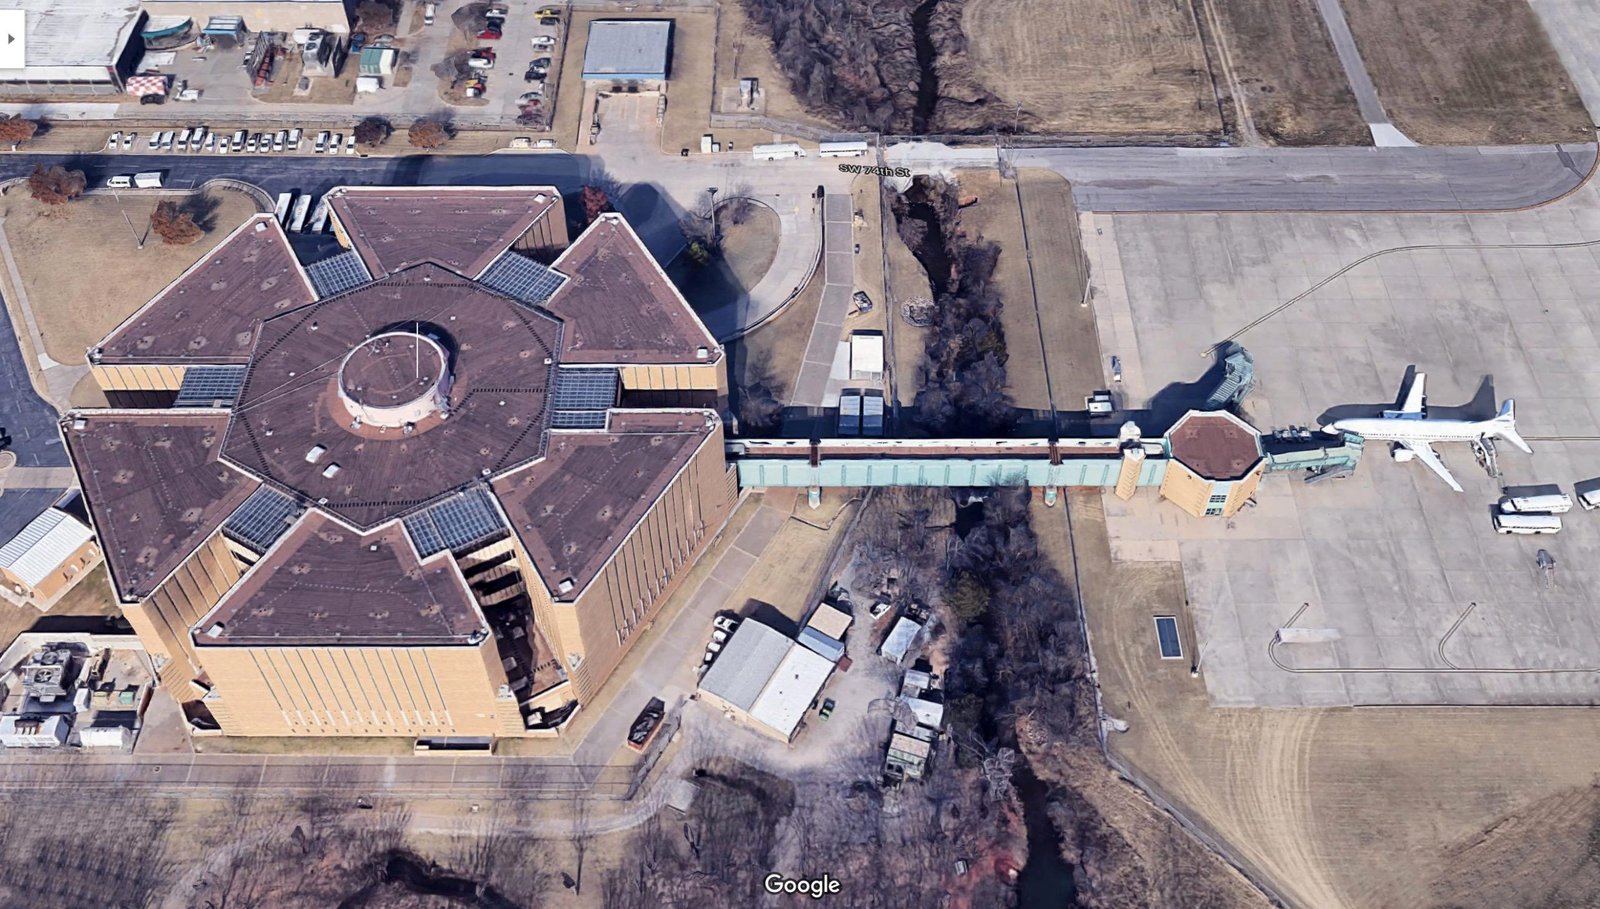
(337, 274)
(584, 389)
(522, 279)
(455, 523)
(578, 419)
(210, 386)
(263, 517)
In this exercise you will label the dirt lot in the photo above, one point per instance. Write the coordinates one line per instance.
(1060, 272)
(1119, 67)
(77, 306)
(744, 53)
(1467, 72)
(1339, 807)
(1293, 84)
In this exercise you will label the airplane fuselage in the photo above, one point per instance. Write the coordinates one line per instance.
(1413, 430)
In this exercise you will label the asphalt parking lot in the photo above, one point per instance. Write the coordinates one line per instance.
(1418, 600)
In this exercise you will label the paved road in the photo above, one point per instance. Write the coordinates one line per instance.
(1308, 179)
(1384, 133)
(28, 419)
(814, 386)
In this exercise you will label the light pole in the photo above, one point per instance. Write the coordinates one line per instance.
(712, 191)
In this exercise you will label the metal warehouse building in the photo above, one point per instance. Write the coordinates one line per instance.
(75, 47)
(637, 51)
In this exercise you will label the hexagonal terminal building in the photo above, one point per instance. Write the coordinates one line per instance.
(431, 486)
(1216, 462)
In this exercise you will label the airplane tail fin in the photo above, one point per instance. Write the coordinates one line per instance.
(1505, 426)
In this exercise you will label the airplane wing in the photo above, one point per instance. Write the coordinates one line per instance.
(1412, 408)
(1425, 453)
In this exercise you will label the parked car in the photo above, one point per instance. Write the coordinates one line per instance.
(166, 140)
(294, 139)
(645, 724)
(211, 142)
(152, 99)
(122, 182)
(127, 140)
(350, 145)
(548, 11)
(429, 11)
(722, 622)
(359, 40)
(827, 709)
(549, 20)
(335, 142)
(540, 62)
(530, 98)
(543, 41)
(482, 58)
(533, 75)
(115, 142)
(251, 141)
(544, 143)
(280, 141)
(496, 12)
(491, 32)
(238, 140)
(322, 142)
(475, 87)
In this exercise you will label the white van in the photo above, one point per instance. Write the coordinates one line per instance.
(183, 140)
(1550, 503)
(1526, 523)
(122, 182)
(428, 12)
(150, 179)
(1588, 493)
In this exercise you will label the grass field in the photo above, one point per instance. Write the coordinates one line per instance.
(1060, 272)
(1293, 86)
(776, 348)
(1467, 72)
(744, 53)
(77, 301)
(1367, 809)
(1117, 67)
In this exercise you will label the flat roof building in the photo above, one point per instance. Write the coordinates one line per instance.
(75, 47)
(766, 679)
(257, 15)
(628, 50)
(409, 499)
(51, 554)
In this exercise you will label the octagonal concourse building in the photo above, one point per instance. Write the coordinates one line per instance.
(433, 486)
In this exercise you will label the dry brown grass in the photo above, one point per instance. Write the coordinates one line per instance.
(789, 572)
(1335, 807)
(744, 53)
(80, 298)
(340, 89)
(1294, 86)
(778, 346)
(1072, 348)
(1121, 67)
(1467, 72)
(907, 281)
(997, 219)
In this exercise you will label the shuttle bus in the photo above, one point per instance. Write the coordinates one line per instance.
(1526, 523)
(775, 152)
(1550, 503)
(285, 200)
(842, 149)
(301, 208)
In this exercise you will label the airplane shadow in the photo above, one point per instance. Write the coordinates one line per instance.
(1483, 405)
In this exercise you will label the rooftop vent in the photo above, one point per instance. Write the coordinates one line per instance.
(565, 585)
(215, 631)
(316, 453)
(702, 353)
(329, 471)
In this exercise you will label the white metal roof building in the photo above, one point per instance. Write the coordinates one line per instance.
(745, 665)
(42, 547)
(901, 637)
(628, 50)
(791, 690)
(75, 46)
(866, 355)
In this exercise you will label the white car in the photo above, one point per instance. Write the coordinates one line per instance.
(127, 140)
(350, 145)
(294, 139)
(238, 140)
(335, 142)
(197, 139)
(725, 623)
(115, 142)
(251, 141)
(540, 42)
(480, 62)
(322, 142)
(544, 143)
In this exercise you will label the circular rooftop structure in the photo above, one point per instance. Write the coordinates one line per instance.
(1216, 445)
(394, 379)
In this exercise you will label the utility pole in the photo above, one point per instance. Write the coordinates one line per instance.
(712, 191)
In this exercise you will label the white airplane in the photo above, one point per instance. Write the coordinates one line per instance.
(1410, 429)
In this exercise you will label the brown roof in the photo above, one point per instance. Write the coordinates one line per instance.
(325, 584)
(209, 314)
(618, 305)
(573, 509)
(1217, 446)
(155, 487)
(462, 229)
(502, 360)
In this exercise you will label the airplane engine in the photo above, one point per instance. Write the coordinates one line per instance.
(1401, 454)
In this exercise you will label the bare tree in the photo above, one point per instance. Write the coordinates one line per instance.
(55, 185)
(428, 134)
